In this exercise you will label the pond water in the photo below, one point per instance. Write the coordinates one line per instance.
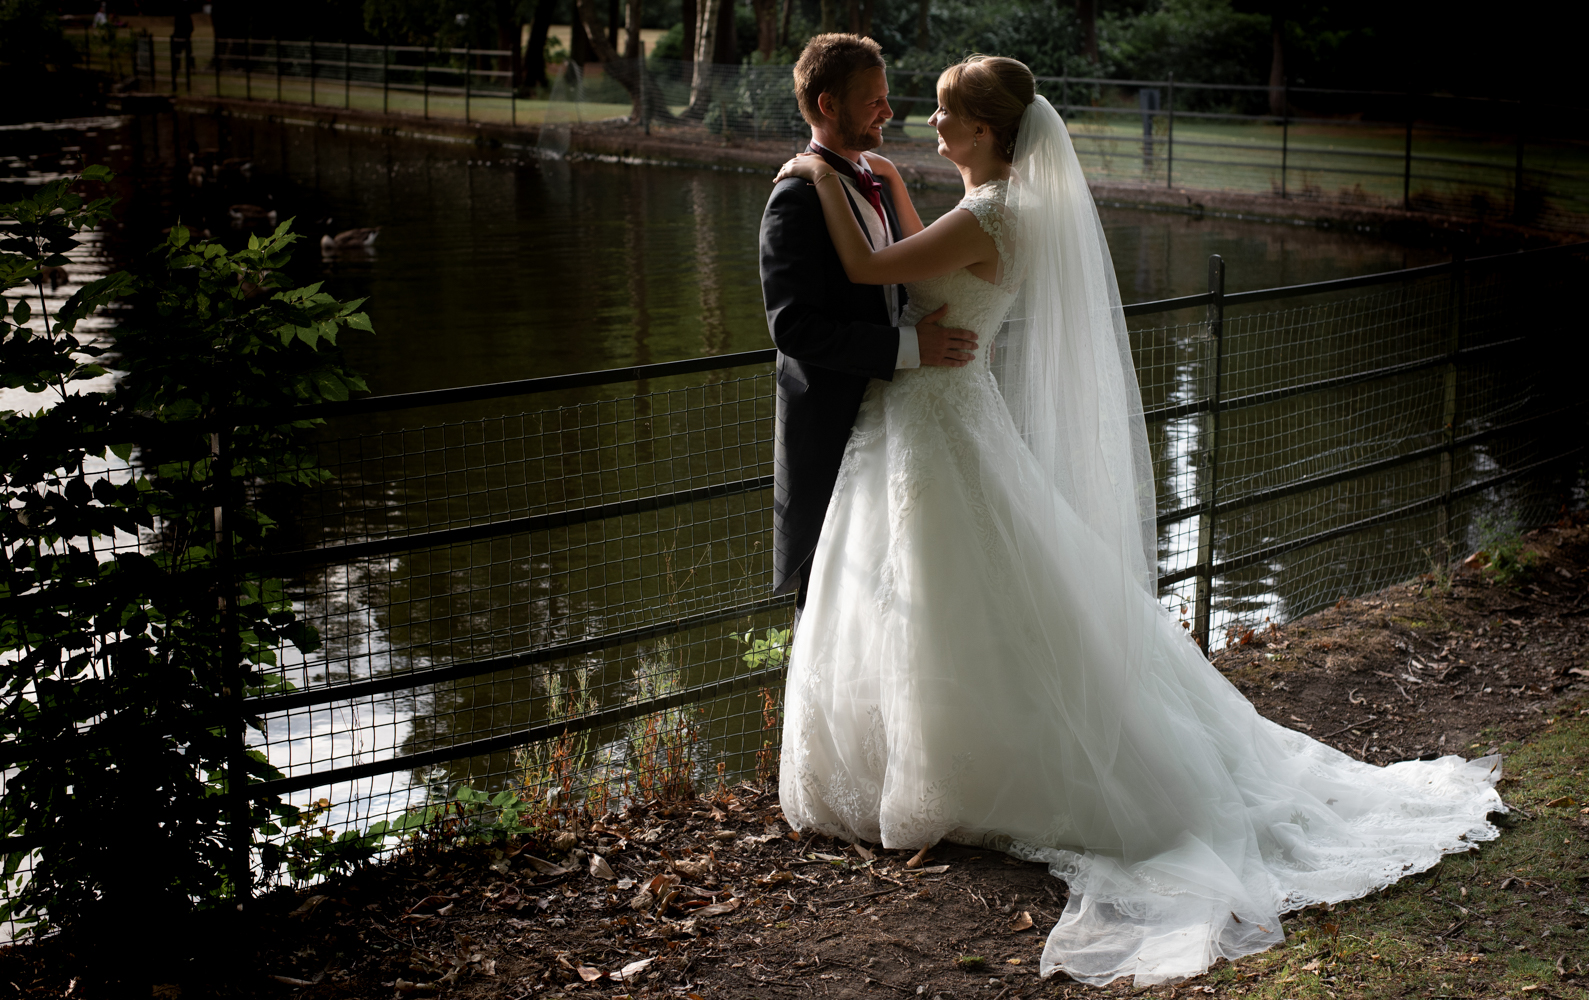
(494, 265)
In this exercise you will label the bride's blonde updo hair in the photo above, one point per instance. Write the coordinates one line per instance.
(994, 90)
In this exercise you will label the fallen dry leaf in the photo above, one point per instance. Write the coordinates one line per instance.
(934, 870)
(632, 969)
(692, 869)
(1312, 966)
(545, 867)
(1565, 800)
(718, 909)
(599, 868)
(774, 878)
(865, 855)
(588, 974)
(1020, 922)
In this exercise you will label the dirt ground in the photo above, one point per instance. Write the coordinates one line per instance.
(717, 897)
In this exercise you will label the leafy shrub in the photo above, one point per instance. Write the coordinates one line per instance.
(128, 644)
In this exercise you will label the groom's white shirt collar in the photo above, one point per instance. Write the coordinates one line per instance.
(857, 164)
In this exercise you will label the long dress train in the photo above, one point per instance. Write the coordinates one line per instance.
(971, 665)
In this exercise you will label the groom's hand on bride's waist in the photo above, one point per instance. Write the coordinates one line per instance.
(944, 346)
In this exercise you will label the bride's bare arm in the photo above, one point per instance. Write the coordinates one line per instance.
(904, 208)
(956, 240)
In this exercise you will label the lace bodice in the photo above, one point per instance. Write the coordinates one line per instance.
(974, 304)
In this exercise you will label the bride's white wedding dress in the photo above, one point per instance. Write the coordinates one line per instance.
(973, 665)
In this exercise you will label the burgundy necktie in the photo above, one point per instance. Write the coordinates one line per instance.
(868, 185)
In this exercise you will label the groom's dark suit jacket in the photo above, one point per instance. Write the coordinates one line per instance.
(832, 336)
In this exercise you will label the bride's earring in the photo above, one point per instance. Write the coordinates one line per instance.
(973, 142)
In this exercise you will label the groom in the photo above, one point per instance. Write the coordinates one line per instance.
(832, 336)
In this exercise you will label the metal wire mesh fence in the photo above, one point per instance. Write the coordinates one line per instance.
(570, 598)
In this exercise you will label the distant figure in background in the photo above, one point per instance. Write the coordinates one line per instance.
(101, 16)
(182, 40)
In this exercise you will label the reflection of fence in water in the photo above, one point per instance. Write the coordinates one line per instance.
(1351, 437)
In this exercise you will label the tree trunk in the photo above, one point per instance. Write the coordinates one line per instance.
(766, 27)
(783, 28)
(830, 16)
(648, 101)
(1277, 65)
(632, 49)
(705, 47)
(924, 26)
(692, 17)
(1087, 14)
(579, 47)
(535, 57)
(614, 18)
(725, 50)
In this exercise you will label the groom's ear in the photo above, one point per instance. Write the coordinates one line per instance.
(825, 105)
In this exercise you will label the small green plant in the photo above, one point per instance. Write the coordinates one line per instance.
(1439, 575)
(772, 650)
(1502, 550)
(972, 963)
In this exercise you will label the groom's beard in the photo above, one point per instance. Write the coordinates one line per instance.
(857, 134)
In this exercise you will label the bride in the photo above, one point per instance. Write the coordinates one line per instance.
(982, 657)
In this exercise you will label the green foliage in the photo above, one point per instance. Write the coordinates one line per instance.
(1503, 550)
(31, 35)
(1201, 40)
(771, 650)
(127, 647)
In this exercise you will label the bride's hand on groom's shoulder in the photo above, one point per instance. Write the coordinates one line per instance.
(882, 167)
(807, 166)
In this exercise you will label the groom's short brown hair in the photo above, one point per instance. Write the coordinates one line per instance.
(826, 66)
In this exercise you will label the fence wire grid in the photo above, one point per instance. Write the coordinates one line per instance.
(594, 566)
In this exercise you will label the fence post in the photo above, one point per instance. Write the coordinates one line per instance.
(239, 829)
(466, 71)
(424, 76)
(1517, 176)
(1169, 156)
(311, 71)
(248, 66)
(1285, 131)
(386, 75)
(1064, 93)
(215, 59)
(1203, 602)
(1448, 417)
(347, 75)
(1406, 173)
(277, 42)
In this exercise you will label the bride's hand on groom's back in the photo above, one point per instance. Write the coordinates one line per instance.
(944, 346)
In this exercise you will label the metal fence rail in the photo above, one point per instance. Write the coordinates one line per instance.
(577, 560)
(467, 572)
